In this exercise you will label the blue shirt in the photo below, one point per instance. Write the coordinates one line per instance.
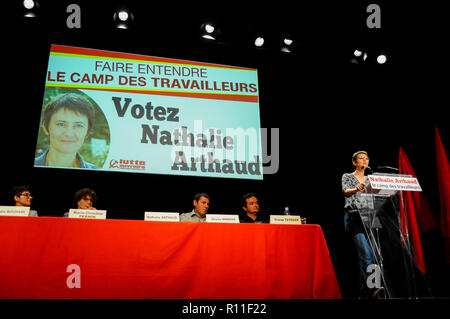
(40, 161)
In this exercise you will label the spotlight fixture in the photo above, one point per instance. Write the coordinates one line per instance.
(123, 16)
(357, 53)
(209, 28)
(259, 42)
(287, 44)
(209, 31)
(359, 56)
(381, 59)
(287, 41)
(123, 19)
(31, 8)
(28, 4)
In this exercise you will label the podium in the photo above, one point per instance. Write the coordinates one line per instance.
(388, 239)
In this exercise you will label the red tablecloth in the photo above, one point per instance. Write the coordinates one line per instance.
(141, 259)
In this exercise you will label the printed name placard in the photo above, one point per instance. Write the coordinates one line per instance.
(394, 183)
(220, 218)
(14, 211)
(162, 216)
(285, 219)
(87, 213)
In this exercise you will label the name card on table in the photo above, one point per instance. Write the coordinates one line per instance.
(394, 183)
(162, 217)
(220, 218)
(14, 211)
(285, 219)
(87, 213)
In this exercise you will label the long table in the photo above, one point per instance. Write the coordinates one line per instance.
(52, 257)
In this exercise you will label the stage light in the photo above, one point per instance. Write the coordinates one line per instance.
(359, 56)
(357, 53)
(288, 41)
(287, 44)
(123, 15)
(123, 19)
(381, 59)
(209, 28)
(209, 31)
(31, 8)
(259, 41)
(28, 4)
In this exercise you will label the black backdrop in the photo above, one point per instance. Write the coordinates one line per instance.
(325, 107)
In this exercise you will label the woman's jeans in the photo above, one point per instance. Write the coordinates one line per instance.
(365, 256)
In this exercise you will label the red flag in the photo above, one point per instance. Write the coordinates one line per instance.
(443, 173)
(414, 207)
(421, 206)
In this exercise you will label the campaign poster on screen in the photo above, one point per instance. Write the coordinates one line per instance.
(114, 111)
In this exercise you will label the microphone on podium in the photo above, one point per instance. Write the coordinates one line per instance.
(388, 168)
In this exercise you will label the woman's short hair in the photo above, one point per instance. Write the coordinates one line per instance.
(82, 193)
(355, 155)
(73, 102)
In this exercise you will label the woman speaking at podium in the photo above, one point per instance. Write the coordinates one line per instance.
(352, 186)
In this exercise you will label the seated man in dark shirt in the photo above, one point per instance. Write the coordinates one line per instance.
(250, 205)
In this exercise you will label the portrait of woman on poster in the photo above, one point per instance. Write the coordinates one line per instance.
(67, 121)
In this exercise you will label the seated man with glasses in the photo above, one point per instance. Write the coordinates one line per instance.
(21, 196)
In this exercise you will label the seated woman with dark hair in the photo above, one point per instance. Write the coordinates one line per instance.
(68, 120)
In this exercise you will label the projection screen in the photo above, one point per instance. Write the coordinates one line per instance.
(124, 112)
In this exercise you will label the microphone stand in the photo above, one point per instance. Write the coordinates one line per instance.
(373, 239)
(409, 250)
